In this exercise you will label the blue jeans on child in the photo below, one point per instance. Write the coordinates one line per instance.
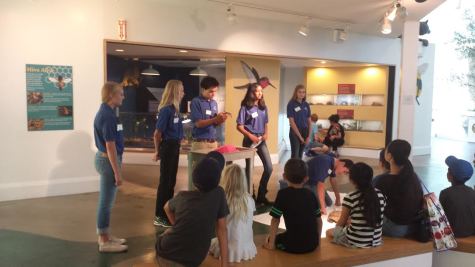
(107, 192)
(392, 229)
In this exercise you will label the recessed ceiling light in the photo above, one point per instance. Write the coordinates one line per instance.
(136, 59)
(323, 62)
(183, 51)
(119, 50)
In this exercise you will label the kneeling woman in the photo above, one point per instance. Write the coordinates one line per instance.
(252, 123)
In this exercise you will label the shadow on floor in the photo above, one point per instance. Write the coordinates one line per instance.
(26, 249)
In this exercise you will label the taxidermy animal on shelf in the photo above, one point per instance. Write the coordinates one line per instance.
(60, 82)
(131, 76)
(253, 77)
(420, 71)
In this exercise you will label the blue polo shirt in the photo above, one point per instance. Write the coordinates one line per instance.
(169, 123)
(107, 128)
(319, 168)
(203, 109)
(254, 119)
(300, 112)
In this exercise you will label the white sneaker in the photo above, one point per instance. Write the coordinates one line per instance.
(114, 239)
(112, 247)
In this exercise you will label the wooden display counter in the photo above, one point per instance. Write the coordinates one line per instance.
(242, 153)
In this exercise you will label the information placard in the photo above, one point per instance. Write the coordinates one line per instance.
(49, 97)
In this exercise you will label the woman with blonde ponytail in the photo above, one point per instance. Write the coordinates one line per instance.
(167, 138)
(239, 221)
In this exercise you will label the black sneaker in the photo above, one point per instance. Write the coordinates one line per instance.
(161, 222)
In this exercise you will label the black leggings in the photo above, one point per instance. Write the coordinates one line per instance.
(169, 156)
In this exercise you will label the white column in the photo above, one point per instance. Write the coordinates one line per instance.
(410, 46)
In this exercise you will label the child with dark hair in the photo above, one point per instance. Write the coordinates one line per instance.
(361, 221)
(459, 200)
(301, 213)
(383, 165)
(195, 216)
(403, 192)
(336, 134)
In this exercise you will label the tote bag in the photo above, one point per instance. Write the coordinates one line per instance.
(442, 233)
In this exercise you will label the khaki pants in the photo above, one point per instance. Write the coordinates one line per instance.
(203, 145)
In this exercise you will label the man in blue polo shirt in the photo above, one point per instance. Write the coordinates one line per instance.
(205, 115)
(322, 166)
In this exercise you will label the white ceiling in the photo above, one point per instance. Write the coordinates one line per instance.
(362, 16)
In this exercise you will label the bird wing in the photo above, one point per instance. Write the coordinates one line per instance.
(67, 80)
(251, 73)
(53, 80)
(242, 87)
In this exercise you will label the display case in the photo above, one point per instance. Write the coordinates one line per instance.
(347, 100)
(358, 95)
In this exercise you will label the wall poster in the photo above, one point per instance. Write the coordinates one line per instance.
(49, 97)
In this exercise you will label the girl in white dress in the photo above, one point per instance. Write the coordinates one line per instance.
(239, 221)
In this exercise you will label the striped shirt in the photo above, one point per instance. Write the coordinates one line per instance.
(359, 233)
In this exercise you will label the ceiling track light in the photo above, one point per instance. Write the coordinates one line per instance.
(304, 30)
(231, 15)
(397, 10)
(386, 26)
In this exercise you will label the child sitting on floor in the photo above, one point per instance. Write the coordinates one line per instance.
(315, 144)
(239, 221)
(361, 221)
(383, 165)
(458, 200)
(301, 212)
(195, 215)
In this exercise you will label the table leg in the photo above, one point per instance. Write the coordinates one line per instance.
(190, 170)
(250, 173)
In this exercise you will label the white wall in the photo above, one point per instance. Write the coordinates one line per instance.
(71, 32)
(35, 164)
(423, 112)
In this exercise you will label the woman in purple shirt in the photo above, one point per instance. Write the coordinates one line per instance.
(252, 123)
(298, 113)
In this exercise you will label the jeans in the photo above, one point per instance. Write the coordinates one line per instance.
(169, 156)
(335, 143)
(264, 155)
(296, 146)
(107, 192)
(392, 229)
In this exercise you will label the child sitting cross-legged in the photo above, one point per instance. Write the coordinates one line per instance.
(301, 212)
(239, 221)
(195, 215)
(361, 221)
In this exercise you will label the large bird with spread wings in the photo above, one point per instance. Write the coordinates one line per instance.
(253, 77)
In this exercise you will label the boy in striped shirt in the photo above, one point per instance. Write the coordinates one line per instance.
(301, 212)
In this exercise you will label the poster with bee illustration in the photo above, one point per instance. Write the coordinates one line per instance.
(49, 97)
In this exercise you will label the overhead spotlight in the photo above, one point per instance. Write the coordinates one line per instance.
(304, 29)
(392, 13)
(183, 51)
(386, 26)
(231, 15)
(340, 35)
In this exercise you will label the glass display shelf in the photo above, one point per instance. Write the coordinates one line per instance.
(346, 100)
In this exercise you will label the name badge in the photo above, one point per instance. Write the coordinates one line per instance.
(297, 109)
(120, 127)
(254, 115)
(329, 171)
(176, 120)
(208, 112)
